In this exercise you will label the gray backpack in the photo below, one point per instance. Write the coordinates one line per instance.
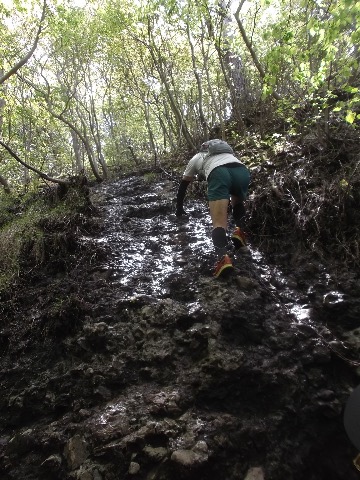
(217, 146)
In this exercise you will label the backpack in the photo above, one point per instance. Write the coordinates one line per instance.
(217, 146)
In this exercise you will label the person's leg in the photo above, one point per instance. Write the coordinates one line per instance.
(218, 193)
(238, 211)
(218, 213)
(240, 179)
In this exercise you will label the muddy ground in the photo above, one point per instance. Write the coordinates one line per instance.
(126, 360)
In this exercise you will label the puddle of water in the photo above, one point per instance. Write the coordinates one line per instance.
(333, 298)
(296, 306)
(301, 311)
(110, 411)
(148, 259)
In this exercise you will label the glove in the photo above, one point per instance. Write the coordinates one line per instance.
(180, 211)
(180, 198)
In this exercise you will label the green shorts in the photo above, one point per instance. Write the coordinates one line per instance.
(224, 181)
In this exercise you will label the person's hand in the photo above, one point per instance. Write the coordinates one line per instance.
(180, 211)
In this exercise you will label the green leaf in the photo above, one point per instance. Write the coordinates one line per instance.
(350, 89)
(288, 36)
(344, 183)
(350, 116)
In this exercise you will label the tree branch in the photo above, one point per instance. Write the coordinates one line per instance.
(22, 62)
(38, 172)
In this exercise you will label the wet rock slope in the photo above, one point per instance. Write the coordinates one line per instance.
(137, 364)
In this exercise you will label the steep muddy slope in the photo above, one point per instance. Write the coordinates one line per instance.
(136, 363)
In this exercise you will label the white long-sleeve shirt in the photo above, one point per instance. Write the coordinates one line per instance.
(203, 162)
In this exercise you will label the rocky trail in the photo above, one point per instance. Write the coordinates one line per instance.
(137, 364)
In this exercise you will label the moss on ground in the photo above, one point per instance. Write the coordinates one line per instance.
(32, 226)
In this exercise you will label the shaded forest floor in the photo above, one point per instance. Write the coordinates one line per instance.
(125, 359)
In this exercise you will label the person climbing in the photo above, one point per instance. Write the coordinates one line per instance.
(227, 178)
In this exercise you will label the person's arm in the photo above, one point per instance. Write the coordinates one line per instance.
(181, 195)
(192, 169)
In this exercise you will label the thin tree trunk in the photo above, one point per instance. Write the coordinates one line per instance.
(110, 120)
(25, 59)
(84, 140)
(77, 152)
(151, 135)
(250, 48)
(94, 125)
(72, 127)
(158, 62)
(133, 154)
(215, 105)
(203, 121)
(2, 103)
(5, 184)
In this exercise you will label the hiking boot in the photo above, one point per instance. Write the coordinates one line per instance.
(238, 238)
(223, 266)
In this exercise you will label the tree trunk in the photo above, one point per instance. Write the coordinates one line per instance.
(250, 48)
(25, 59)
(72, 127)
(133, 154)
(204, 125)
(151, 135)
(5, 184)
(2, 103)
(84, 140)
(109, 116)
(214, 103)
(159, 65)
(79, 166)
(94, 126)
